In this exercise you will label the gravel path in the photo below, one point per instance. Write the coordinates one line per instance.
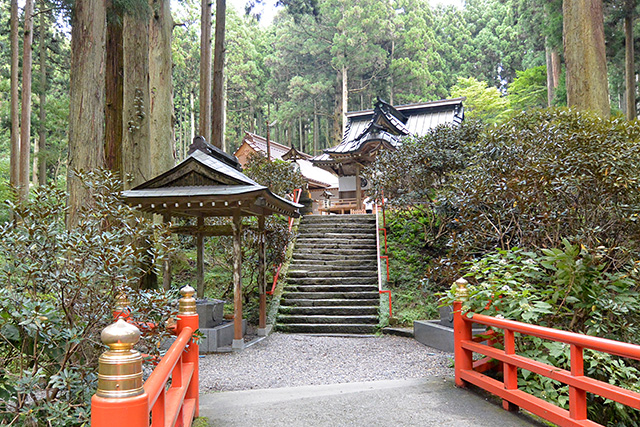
(288, 360)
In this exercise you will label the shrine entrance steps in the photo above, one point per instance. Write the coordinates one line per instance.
(332, 285)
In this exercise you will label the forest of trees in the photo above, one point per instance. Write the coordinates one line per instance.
(94, 85)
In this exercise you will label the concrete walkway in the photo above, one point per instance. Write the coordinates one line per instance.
(414, 402)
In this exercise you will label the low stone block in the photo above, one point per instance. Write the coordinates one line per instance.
(431, 333)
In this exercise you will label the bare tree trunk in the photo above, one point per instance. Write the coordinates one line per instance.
(86, 100)
(114, 96)
(42, 137)
(630, 73)
(25, 119)
(162, 118)
(217, 107)
(136, 133)
(205, 70)
(15, 98)
(585, 56)
(345, 99)
(550, 86)
(192, 118)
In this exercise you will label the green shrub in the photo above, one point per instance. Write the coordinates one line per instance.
(57, 289)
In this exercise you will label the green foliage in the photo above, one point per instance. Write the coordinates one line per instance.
(548, 175)
(411, 174)
(529, 89)
(483, 102)
(281, 177)
(57, 289)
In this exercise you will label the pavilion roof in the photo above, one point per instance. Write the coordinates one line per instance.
(386, 126)
(207, 183)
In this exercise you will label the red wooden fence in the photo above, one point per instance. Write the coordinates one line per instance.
(469, 372)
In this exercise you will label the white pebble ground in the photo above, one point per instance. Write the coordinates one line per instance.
(289, 360)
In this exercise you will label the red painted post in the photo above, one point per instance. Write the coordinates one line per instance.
(461, 332)
(188, 317)
(577, 397)
(510, 371)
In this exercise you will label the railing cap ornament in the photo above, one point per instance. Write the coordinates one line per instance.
(462, 293)
(187, 304)
(120, 368)
(122, 301)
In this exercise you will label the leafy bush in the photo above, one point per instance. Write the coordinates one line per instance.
(548, 175)
(57, 290)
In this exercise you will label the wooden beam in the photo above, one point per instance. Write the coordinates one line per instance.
(200, 259)
(166, 273)
(208, 230)
(237, 280)
(262, 280)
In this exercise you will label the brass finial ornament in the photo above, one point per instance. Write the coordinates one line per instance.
(122, 301)
(120, 367)
(462, 293)
(187, 304)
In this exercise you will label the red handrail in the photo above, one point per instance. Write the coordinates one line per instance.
(176, 406)
(466, 371)
(296, 198)
(379, 257)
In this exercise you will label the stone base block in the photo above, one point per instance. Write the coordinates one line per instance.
(433, 334)
(216, 339)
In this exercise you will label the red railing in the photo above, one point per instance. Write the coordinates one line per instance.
(379, 257)
(296, 198)
(176, 405)
(468, 371)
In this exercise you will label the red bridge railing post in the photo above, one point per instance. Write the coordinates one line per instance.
(188, 317)
(461, 332)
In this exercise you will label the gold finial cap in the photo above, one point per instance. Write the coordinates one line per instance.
(120, 368)
(120, 335)
(462, 293)
(187, 304)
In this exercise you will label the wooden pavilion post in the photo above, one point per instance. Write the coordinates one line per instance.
(200, 257)
(262, 282)
(166, 268)
(238, 340)
(358, 188)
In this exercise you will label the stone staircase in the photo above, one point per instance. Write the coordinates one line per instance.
(332, 285)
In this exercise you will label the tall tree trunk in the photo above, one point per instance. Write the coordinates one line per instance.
(630, 72)
(42, 137)
(25, 119)
(162, 118)
(136, 133)
(344, 98)
(114, 96)
(316, 128)
(192, 119)
(205, 70)
(550, 83)
(585, 56)
(86, 100)
(217, 107)
(15, 98)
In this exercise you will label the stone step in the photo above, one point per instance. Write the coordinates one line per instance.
(308, 328)
(363, 287)
(312, 250)
(337, 233)
(373, 320)
(346, 239)
(310, 302)
(332, 257)
(291, 295)
(324, 266)
(327, 244)
(313, 274)
(351, 310)
(332, 282)
(359, 219)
